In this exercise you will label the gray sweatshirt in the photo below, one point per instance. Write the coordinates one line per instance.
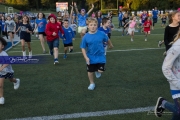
(10, 25)
(171, 69)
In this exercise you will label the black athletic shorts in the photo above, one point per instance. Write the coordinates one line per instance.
(42, 33)
(68, 45)
(96, 67)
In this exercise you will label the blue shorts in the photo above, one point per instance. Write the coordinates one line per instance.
(53, 44)
(8, 75)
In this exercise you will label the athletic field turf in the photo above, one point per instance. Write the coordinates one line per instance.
(133, 79)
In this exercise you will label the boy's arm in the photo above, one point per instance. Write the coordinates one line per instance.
(76, 8)
(61, 30)
(85, 56)
(90, 9)
(14, 27)
(71, 11)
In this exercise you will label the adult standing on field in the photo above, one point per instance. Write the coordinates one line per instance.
(82, 16)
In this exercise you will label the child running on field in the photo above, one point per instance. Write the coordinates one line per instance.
(93, 51)
(6, 71)
(125, 23)
(4, 30)
(25, 35)
(10, 25)
(40, 25)
(105, 28)
(171, 70)
(69, 37)
(147, 27)
(52, 30)
(131, 29)
(164, 18)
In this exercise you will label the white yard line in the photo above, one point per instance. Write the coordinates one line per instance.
(90, 114)
(126, 50)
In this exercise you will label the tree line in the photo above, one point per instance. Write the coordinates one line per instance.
(131, 4)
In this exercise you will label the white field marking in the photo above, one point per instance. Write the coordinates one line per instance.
(90, 114)
(11, 46)
(107, 51)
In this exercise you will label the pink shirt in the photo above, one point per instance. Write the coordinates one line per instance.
(132, 24)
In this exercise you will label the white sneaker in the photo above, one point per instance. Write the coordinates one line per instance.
(131, 40)
(2, 101)
(24, 54)
(98, 74)
(159, 44)
(145, 39)
(56, 62)
(17, 84)
(30, 54)
(91, 87)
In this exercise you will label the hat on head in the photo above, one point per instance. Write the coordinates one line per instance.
(52, 15)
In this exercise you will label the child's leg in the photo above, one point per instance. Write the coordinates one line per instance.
(91, 77)
(65, 50)
(83, 32)
(23, 47)
(1, 86)
(56, 52)
(175, 108)
(110, 44)
(29, 48)
(11, 38)
(132, 35)
(41, 37)
(50, 44)
(71, 48)
(145, 35)
(56, 48)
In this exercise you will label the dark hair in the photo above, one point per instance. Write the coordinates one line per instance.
(27, 18)
(172, 15)
(66, 20)
(42, 13)
(104, 20)
(3, 41)
(146, 18)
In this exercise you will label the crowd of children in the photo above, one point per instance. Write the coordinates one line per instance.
(95, 32)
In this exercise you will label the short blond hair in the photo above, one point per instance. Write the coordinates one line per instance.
(90, 20)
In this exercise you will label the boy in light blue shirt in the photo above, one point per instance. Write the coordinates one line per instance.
(68, 38)
(93, 51)
(82, 27)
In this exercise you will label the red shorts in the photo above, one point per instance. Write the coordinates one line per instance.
(147, 30)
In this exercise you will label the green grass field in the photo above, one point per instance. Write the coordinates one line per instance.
(132, 79)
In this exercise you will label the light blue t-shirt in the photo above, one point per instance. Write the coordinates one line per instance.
(41, 25)
(155, 13)
(82, 20)
(120, 16)
(68, 35)
(93, 43)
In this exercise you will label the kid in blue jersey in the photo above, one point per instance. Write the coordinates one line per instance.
(92, 46)
(68, 39)
(41, 26)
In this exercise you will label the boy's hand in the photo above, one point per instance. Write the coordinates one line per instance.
(87, 61)
(73, 39)
(111, 46)
(54, 34)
